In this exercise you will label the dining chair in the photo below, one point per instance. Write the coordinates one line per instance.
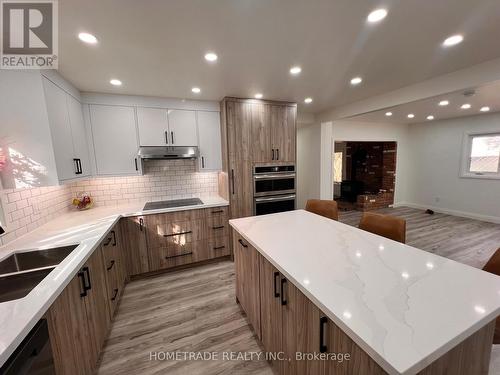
(326, 208)
(388, 226)
(493, 266)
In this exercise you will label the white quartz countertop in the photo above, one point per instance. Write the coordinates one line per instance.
(86, 228)
(403, 306)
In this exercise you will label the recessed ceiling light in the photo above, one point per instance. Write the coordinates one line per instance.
(377, 15)
(295, 70)
(485, 109)
(210, 56)
(196, 90)
(430, 117)
(258, 96)
(115, 82)
(466, 106)
(308, 100)
(443, 103)
(453, 40)
(87, 38)
(411, 115)
(388, 114)
(356, 81)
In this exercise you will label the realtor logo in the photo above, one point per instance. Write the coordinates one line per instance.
(29, 34)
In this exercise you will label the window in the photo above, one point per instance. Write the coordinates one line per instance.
(482, 158)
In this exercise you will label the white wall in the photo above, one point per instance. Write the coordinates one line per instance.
(435, 155)
(308, 163)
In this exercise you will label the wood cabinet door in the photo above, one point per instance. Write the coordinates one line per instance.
(241, 189)
(284, 132)
(135, 245)
(96, 302)
(209, 139)
(271, 310)
(239, 130)
(182, 125)
(153, 126)
(261, 133)
(69, 332)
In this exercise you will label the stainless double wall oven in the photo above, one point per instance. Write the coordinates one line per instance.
(273, 189)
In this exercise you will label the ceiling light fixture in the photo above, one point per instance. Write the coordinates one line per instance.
(411, 115)
(453, 40)
(356, 81)
(115, 82)
(377, 15)
(388, 114)
(485, 109)
(308, 100)
(444, 103)
(87, 38)
(211, 57)
(466, 106)
(430, 117)
(258, 96)
(295, 70)
(196, 90)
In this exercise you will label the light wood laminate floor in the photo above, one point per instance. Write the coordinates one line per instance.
(195, 309)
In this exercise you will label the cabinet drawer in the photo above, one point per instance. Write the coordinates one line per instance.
(217, 212)
(175, 233)
(163, 257)
(218, 247)
(216, 228)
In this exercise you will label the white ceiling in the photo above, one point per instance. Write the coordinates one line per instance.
(484, 96)
(156, 47)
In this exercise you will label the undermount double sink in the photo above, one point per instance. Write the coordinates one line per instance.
(22, 271)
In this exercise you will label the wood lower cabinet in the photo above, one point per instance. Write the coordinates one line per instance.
(135, 245)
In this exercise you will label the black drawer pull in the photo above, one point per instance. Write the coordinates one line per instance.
(81, 275)
(242, 243)
(180, 255)
(276, 293)
(218, 212)
(218, 227)
(114, 295)
(111, 264)
(113, 233)
(177, 234)
(283, 300)
(108, 241)
(141, 223)
(219, 247)
(322, 322)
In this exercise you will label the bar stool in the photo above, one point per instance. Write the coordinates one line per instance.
(324, 208)
(384, 225)
(493, 266)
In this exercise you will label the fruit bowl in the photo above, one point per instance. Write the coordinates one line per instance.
(83, 201)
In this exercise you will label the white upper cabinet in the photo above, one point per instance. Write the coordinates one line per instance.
(209, 141)
(115, 139)
(153, 126)
(182, 127)
(67, 131)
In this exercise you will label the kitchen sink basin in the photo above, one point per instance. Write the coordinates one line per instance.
(36, 259)
(18, 285)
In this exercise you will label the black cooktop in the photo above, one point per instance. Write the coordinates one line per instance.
(172, 203)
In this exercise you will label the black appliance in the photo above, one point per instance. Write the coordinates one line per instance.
(274, 189)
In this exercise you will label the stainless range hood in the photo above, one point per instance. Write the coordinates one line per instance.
(168, 152)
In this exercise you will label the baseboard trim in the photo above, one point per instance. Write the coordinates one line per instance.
(469, 215)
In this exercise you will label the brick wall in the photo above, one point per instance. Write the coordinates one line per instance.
(27, 209)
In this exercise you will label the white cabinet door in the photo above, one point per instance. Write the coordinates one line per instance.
(182, 125)
(209, 141)
(80, 145)
(60, 130)
(153, 126)
(115, 139)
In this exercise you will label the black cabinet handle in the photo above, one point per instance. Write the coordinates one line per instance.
(80, 170)
(111, 264)
(166, 137)
(78, 166)
(219, 247)
(114, 295)
(179, 255)
(177, 234)
(277, 154)
(87, 271)
(273, 154)
(219, 227)
(141, 223)
(283, 300)
(276, 293)
(81, 275)
(218, 212)
(242, 243)
(322, 323)
(113, 233)
(136, 167)
(108, 241)
(232, 180)
(203, 162)
(172, 135)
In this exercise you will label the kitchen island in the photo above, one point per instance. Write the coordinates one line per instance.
(313, 285)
